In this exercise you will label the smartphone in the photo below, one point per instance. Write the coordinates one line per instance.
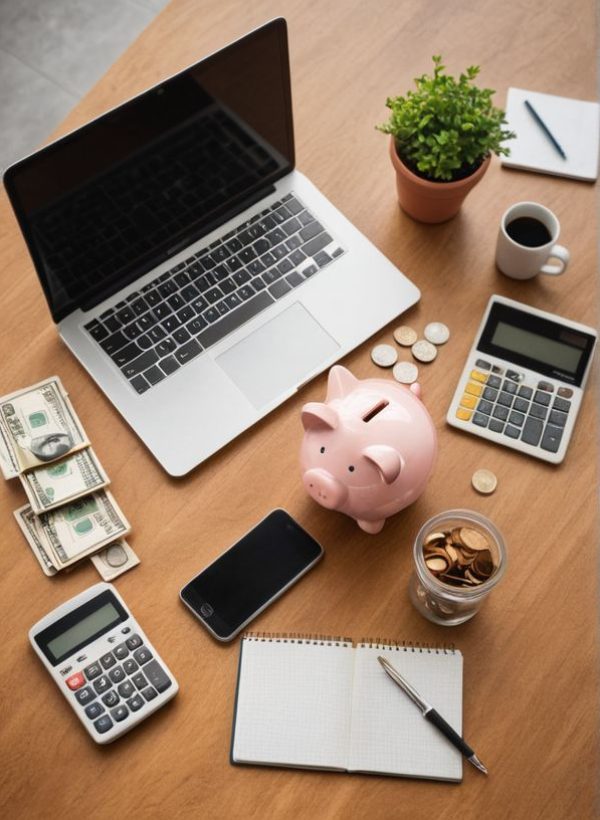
(256, 570)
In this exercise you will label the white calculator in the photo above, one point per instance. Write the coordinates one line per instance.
(102, 662)
(523, 381)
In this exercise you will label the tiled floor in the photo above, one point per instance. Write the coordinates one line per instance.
(51, 53)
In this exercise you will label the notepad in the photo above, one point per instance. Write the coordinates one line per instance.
(575, 124)
(328, 704)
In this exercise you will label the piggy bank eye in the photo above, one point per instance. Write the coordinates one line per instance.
(351, 468)
(322, 450)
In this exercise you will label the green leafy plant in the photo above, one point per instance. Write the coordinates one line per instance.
(446, 128)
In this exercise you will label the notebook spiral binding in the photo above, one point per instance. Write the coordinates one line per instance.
(336, 640)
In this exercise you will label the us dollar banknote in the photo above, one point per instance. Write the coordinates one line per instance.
(63, 481)
(37, 425)
(74, 531)
(114, 560)
(27, 521)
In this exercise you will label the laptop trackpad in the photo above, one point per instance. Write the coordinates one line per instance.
(277, 356)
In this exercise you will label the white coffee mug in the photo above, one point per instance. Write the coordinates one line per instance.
(520, 260)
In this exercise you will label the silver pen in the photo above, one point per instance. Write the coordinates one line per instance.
(432, 716)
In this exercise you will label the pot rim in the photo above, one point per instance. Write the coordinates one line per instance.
(400, 167)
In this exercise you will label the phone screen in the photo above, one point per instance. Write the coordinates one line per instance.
(258, 568)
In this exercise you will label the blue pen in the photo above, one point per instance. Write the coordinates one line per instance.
(544, 128)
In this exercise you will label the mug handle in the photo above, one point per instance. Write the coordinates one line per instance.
(563, 255)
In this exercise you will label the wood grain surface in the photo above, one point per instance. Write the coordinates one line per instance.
(530, 655)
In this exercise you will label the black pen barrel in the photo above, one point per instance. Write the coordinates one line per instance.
(444, 727)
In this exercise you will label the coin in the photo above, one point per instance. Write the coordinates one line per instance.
(484, 481)
(424, 351)
(436, 333)
(405, 335)
(436, 564)
(405, 372)
(384, 355)
(473, 539)
(115, 556)
(460, 557)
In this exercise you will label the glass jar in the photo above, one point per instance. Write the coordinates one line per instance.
(442, 602)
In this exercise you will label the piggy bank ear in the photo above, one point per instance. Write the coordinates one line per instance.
(416, 389)
(340, 382)
(387, 460)
(316, 415)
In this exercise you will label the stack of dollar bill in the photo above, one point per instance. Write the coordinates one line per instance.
(71, 515)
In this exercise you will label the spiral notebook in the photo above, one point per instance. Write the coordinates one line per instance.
(326, 703)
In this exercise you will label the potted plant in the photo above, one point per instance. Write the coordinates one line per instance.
(442, 137)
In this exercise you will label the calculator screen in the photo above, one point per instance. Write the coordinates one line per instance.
(80, 627)
(544, 350)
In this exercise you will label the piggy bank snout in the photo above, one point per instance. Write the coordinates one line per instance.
(324, 488)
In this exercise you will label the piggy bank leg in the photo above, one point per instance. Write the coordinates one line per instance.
(372, 527)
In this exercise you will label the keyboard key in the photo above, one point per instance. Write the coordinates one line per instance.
(557, 418)
(294, 279)
(176, 301)
(312, 229)
(235, 319)
(162, 311)
(165, 347)
(551, 438)
(322, 259)
(261, 246)
(211, 315)
(309, 271)
(139, 384)
(214, 294)
(181, 335)
(285, 266)
(241, 277)
(153, 297)
(167, 289)
(233, 264)
(220, 273)
(147, 321)
(139, 306)
(140, 364)
(171, 323)
(247, 255)
(126, 315)
(318, 243)
(133, 331)
(279, 289)
(278, 252)
(114, 342)
(542, 397)
(306, 217)
(157, 333)
(292, 204)
(561, 404)
(234, 245)
(532, 431)
(245, 292)
(297, 257)
(157, 676)
(185, 314)
(480, 419)
(538, 411)
(96, 330)
(188, 351)
(293, 242)
(200, 304)
(103, 724)
(154, 375)
(112, 324)
(276, 236)
(258, 284)
(291, 226)
(255, 267)
(126, 354)
(512, 432)
(196, 325)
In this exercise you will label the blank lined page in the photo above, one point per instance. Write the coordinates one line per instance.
(389, 735)
(293, 704)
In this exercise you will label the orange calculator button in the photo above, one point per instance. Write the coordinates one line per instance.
(468, 401)
(478, 376)
(75, 681)
(463, 414)
(474, 389)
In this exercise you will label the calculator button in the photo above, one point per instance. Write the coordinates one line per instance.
(565, 392)
(538, 411)
(500, 412)
(119, 713)
(108, 660)
(541, 397)
(477, 376)
(75, 681)
(546, 386)
(497, 369)
(135, 703)
(134, 642)
(92, 671)
(532, 431)
(485, 407)
(551, 438)
(102, 684)
(468, 401)
(483, 364)
(562, 404)
(505, 398)
(117, 675)
(557, 418)
(490, 394)
(143, 655)
(496, 426)
(149, 693)
(157, 676)
(512, 374)
(510, 387)
(139, 680)
(110, 698)
(516, 418)
(126, 630)
(521, 405)
(121, 651)
(480, 420)
(473, 389)
(525, 392)
(512, 432)
(103, 724)
(93, 710)
(463, 414)
(494, 381)
(85, 695)
(126, 689)
(130, 666)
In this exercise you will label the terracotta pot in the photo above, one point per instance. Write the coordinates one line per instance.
(431, 201)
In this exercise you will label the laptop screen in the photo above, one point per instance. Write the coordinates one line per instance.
(110, 201)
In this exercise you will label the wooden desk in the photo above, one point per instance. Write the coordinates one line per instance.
(531, 656)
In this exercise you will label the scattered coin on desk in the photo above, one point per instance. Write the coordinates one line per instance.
(424, 351)
(405, 372)
(384, 355)
(405, 336)
(437, 333)
(461, 557)
(484, 481)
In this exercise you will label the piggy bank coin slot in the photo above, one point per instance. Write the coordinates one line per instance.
(375, 411)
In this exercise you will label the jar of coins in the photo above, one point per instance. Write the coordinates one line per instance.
(459, 557)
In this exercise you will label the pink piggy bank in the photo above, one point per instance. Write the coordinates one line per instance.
(369, 449)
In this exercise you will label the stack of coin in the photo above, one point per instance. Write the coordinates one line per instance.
(461, 557)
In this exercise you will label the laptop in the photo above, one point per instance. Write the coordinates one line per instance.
(198, 277)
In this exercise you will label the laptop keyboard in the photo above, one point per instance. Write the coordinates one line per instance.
(191, 307)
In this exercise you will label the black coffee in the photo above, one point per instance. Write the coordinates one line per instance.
(528, 231)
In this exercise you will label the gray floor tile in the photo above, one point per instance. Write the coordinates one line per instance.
(30, 108)
(72, 42)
